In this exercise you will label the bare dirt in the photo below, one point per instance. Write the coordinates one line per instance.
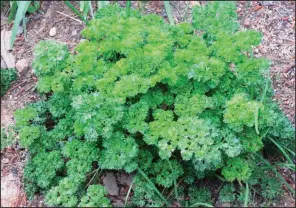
(275, 19)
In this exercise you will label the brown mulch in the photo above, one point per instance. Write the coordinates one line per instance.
(275, 19)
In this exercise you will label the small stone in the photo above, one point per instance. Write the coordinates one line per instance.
(74, 33)
(122, 178)
(125, 179)
(110, 184)
(247, 22)
(21, 65)
(53, 31)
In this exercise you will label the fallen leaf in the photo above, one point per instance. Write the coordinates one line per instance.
(257, 8)
(5, 48)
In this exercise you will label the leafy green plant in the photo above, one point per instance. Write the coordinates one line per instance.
(227, 193)
(288, 155)
(8, 136)
(85, 7)
(95, 197)
(7, 76)
(215, 17)
(143, 95)
(199, 195)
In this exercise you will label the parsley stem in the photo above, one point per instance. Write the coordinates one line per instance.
(128, 193)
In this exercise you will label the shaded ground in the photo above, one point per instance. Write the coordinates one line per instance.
(276, 20)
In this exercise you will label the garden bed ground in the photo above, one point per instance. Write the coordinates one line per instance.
(276, 20)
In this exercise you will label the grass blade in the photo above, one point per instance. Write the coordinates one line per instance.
(81, 5)
(24, 27)
(261, 102)
(168, 10)
(293, 153)
(282, 150)
(220, 177)
(128, 8)
(202, 204)
(128, 193)
(265, 90)
(277, 173)
(76, 11)
(84, 8)
(91, 10)
(152, 185)
(256, 119)
(175, 183)
(289, 166)
(246, 196)
(21, 11)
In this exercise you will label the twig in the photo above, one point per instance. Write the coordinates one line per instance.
(24, 90)
(220, 186)
(70, 17)
(70, 43)
(61, 19)
(17, 86)
(37, 33)
(288, 68)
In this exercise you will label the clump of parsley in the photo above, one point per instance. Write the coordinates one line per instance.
(139, 92)
(7, 76)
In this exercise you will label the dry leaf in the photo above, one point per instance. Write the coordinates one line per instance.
(257, 8)
(5, 48)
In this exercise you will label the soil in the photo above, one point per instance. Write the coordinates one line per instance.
(275, 19)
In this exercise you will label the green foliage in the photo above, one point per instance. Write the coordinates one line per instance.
(95, 197)
(271, 187)
(65, 193)
(164, 174)
(119, 153)
(7, 76)
(216, 17)
(18, 12)
(200, 195)
(236, 169)
(240, 112)
(8, 136)
(49, 58)
(81, 155)
(43, 174)
(227, 193)
(144, 194)
(138, 93)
